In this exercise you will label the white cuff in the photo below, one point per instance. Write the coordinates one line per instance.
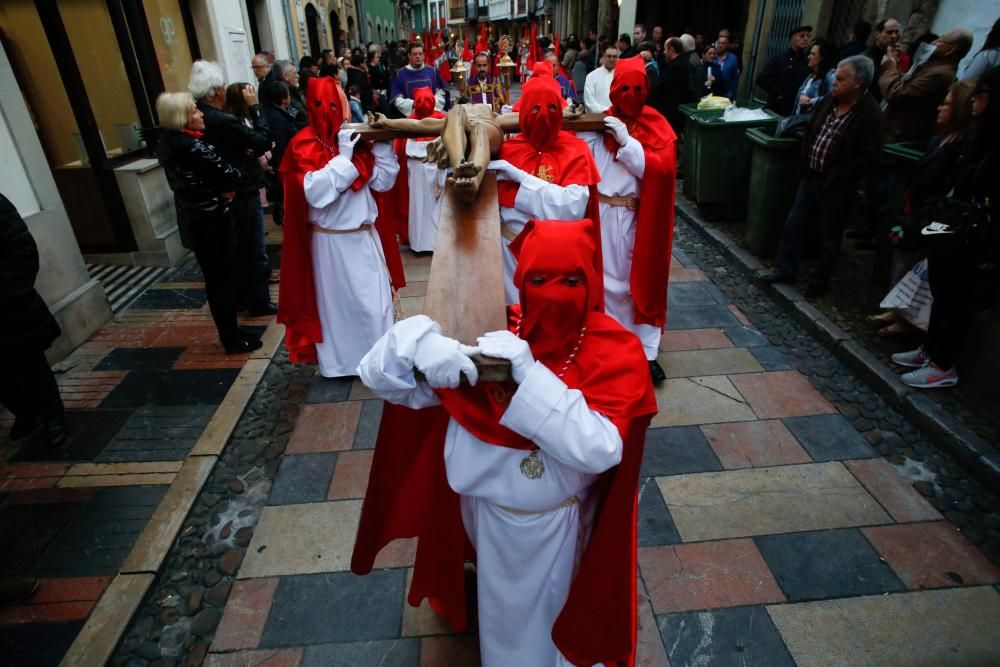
(633, 157)
(345, 168)
(534, 401)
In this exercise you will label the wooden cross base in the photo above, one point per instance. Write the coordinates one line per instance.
(465, 292)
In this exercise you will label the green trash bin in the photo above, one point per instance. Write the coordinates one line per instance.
(688, 144)
(721, 161)
(774, 178)
(905, 157)
(686, 141)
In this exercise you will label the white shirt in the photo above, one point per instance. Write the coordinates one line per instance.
(597, 90)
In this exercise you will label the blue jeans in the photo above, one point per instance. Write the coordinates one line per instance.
(814, 206)
(254, 267)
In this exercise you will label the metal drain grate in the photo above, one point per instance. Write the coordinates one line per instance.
(122, 284)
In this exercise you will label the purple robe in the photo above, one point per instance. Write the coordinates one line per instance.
(408, 79)
(490, 92)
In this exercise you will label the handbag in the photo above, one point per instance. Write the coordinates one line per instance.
(793, 127)
(956, 225)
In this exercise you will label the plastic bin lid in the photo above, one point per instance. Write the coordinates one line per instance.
(764, 136)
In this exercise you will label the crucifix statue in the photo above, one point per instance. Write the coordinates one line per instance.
(465, 292)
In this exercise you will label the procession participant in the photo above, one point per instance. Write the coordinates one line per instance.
(541, 470)
(414, 203)
(413, 76)
(638, 165)
(545, 173)
(335, 296)
(485, 88)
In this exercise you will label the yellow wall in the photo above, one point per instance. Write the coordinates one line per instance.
(35, 68)
(173, 52)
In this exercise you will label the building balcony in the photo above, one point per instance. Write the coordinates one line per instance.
(499, 10)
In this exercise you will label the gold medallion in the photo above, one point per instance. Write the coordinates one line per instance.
(532, 467)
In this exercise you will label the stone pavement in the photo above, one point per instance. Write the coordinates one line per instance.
(772, 531)
(146, 397)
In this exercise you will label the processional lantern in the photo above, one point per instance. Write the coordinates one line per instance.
(460, 76)
(507, 66)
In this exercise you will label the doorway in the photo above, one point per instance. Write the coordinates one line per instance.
(312, 28)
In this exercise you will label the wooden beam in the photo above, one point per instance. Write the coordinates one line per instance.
(465, 292)
(588, 122)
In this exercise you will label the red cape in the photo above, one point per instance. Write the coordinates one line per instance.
(408, 496)
(569, 162)
(654, 233)
(297, 289)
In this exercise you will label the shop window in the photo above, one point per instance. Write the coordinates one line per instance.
(173, 51)
(92, 38)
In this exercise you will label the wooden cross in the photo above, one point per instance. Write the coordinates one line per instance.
(465, 291)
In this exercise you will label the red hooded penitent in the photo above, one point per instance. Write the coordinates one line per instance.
(408, 493)
(654, 234)
(309, 150)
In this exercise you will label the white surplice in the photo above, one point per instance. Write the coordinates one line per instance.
(621, 178)
(426, 183)
(525, 560)
(353, 293)
(538, 200)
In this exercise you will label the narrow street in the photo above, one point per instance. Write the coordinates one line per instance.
(780, 518)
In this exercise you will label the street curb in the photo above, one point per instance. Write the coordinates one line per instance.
(967, 449)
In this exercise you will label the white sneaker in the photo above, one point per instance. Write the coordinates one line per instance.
(930, 377)
(913, 359)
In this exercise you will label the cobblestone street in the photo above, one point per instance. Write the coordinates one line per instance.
(788, 515)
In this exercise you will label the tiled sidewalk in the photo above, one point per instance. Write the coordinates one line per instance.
(771, 533)
(139, 395)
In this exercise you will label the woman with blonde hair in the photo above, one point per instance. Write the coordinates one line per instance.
(203, 185)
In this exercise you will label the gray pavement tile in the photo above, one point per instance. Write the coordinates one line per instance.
(395, 652)
(335, 607)
(37, 644)
(158, 433)
(180, 387)
(677, 450)
(772, 358)
(303, 478)
(683, 259)
(656, 526)
(133, 359)
(694, 294)
(368, 423)
(829, 438)
(742, 636)
(100, 534)
(744, 336)
(700, 317)
(826, 564)
(328, 390)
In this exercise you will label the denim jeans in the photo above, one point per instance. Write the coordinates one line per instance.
(254, 267)
(814, 206)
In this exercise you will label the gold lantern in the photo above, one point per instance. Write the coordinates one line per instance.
(460, 76)
(506, 65)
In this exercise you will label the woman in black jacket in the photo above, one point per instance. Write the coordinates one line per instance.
(204, 185)
(963, 275)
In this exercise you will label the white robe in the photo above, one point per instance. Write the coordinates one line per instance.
(353, 293)
(621, 179)
(525, 563)
(426, 183)
(538, 200)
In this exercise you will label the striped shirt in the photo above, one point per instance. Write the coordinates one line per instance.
(827, 139)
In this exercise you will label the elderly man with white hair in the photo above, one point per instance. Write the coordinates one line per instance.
(240, 144)
(289, 75)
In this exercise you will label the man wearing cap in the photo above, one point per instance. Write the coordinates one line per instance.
(785, 72)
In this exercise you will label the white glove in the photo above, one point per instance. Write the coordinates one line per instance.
(505, 345)
(443, 360)
(382, 149)
(506, 109)
(617, 128)
(345, 142)
(507, 172)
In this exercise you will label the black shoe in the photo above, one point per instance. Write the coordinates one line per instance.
(865, 244)
(773, 277)
(16, 589)
(656, 372)
(815, 290)
(24, 427)
(249, 334)
(855, 234)
(263, 311)
(55, 433)
(242, 346)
